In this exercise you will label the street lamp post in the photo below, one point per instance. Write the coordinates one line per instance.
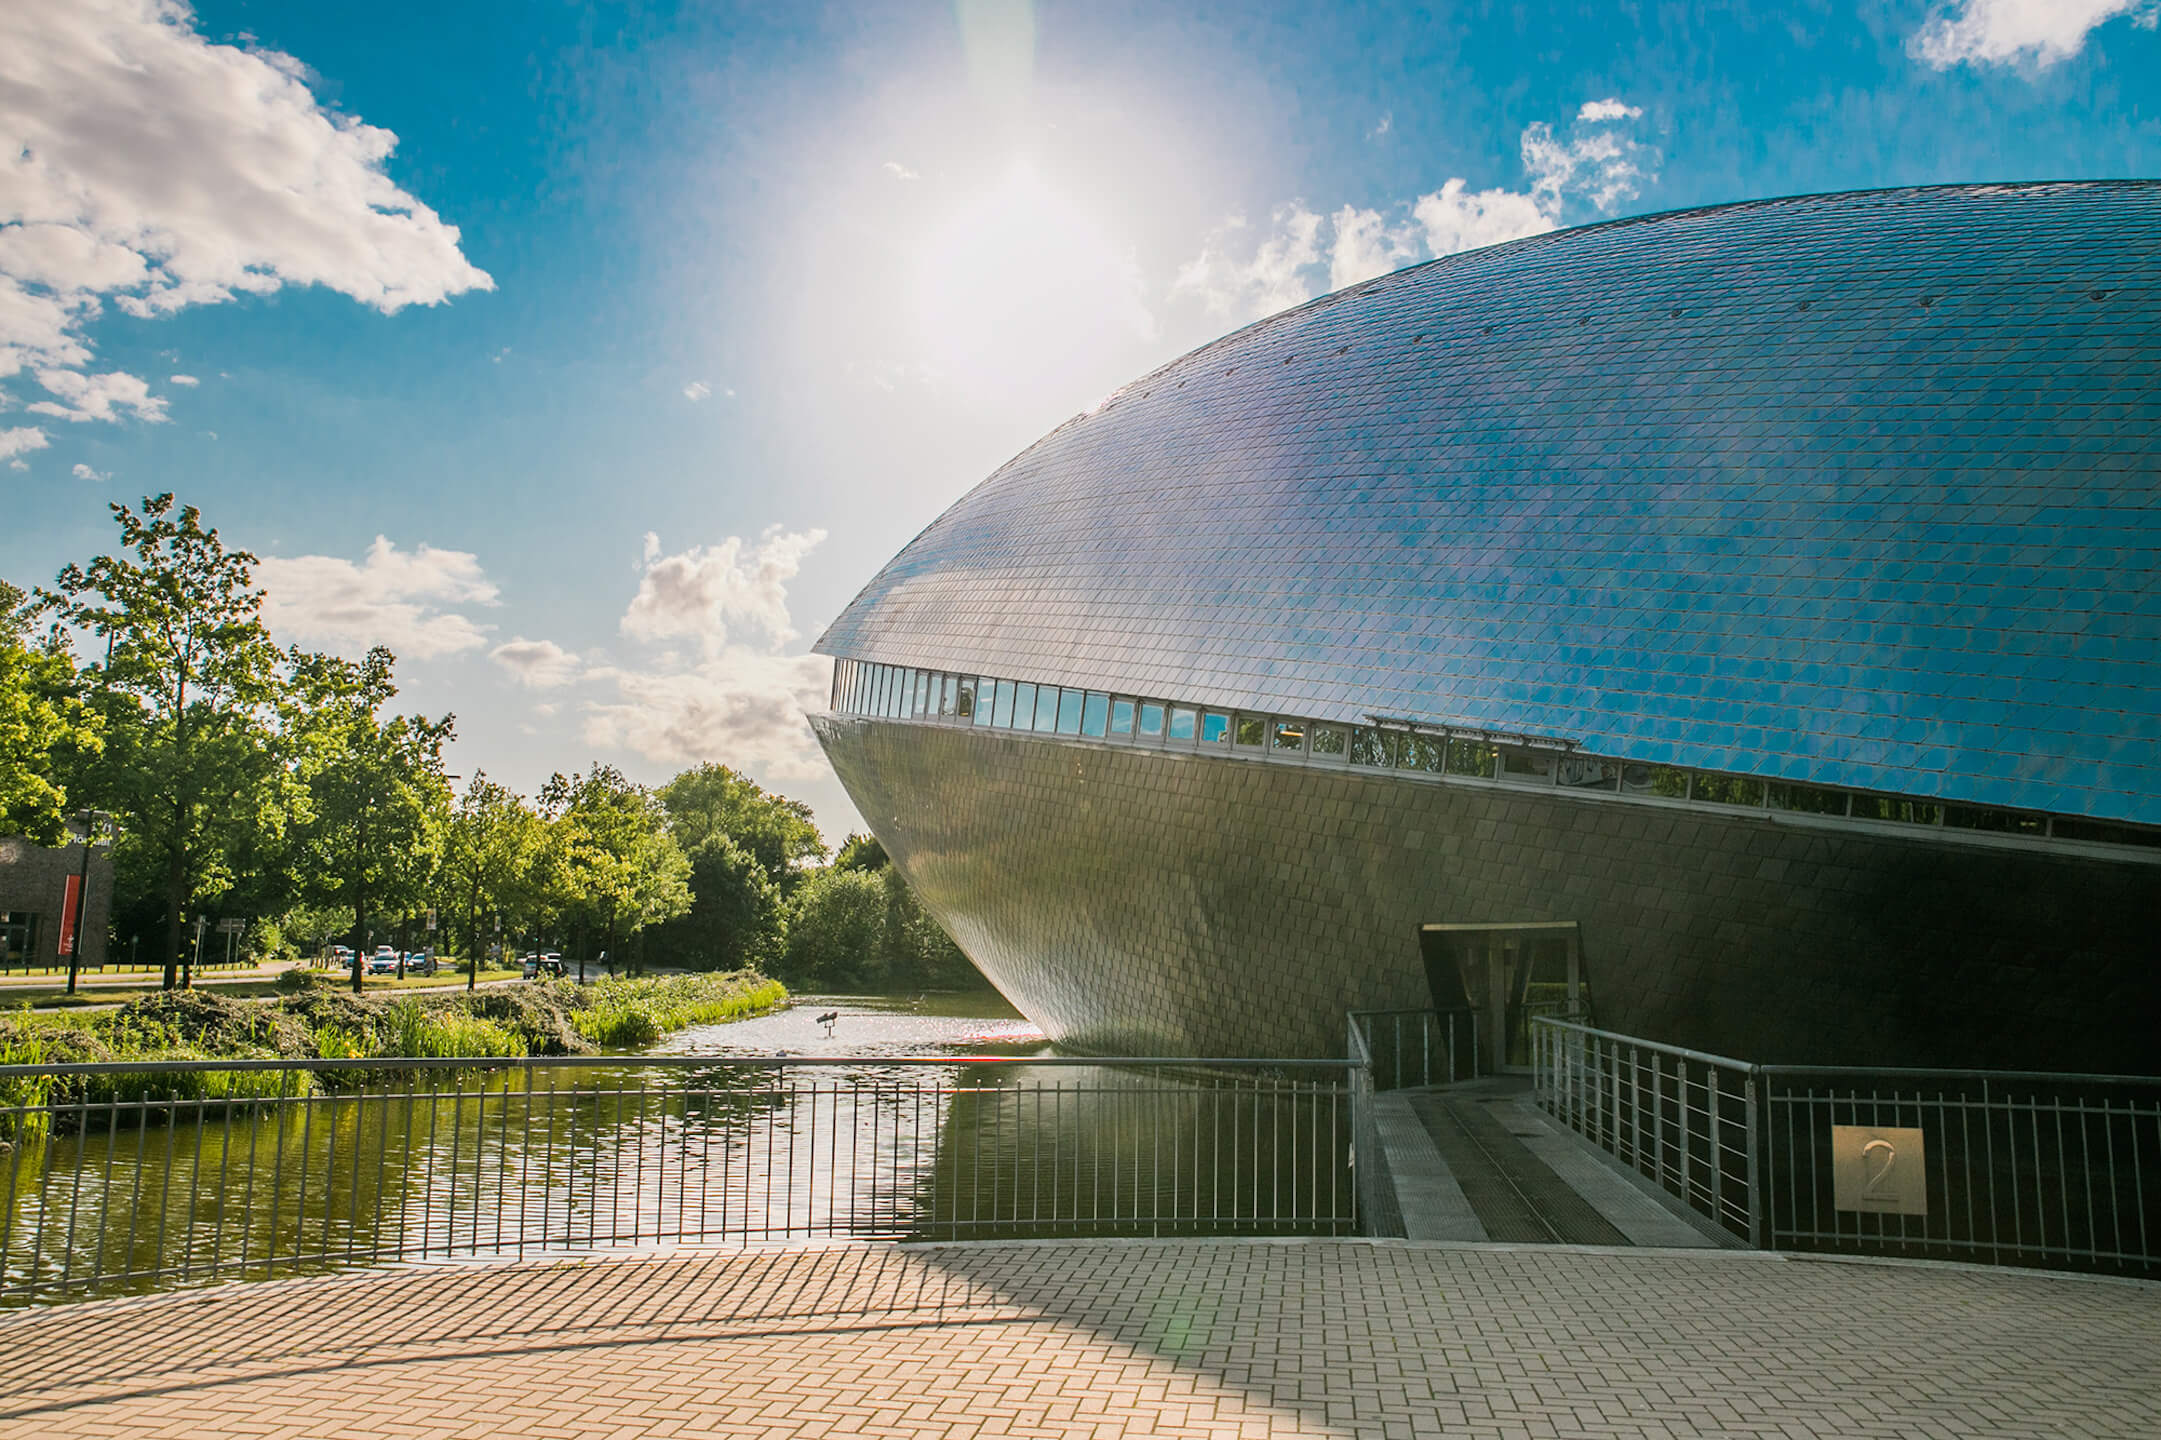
(90, 819)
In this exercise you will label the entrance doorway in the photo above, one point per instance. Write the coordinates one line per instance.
(1506, 975)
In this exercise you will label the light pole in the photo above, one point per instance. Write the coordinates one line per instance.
(90, 819)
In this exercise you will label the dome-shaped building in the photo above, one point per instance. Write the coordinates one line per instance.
(1747, 619)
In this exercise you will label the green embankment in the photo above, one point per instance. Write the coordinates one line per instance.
(316, 1020)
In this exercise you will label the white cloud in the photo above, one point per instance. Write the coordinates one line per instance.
(696, 390)
(899, 171)
(97, 397)
(20, 441)
(84, 472)
(397, 598)
(2004, 32)
(1274, 279)
(1381, 127)
(1604, 166)
(537, 664)
(1455, 218)
(189, 380)
(143, 166)
(1601, 166)
(700, 592)
(739, 706)
(734, 702)
(1366, 245)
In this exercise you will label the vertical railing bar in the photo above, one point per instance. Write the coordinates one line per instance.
(105, 1195)
(75, 1193)
(300, 1206)
(135, 1196)
(195, 1183)
(247, 1202)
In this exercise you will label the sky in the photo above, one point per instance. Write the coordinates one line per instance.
(593, 356)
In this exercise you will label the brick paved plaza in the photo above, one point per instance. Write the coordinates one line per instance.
(1105, 1339)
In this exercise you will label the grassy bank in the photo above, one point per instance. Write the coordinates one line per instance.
(312, 1018)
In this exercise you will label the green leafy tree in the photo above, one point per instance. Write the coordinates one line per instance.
(45, 728)
(836, 929)
(494, 861)
(183, 695)
(714, 800)
(617, 870)
(860, 852)
(377, 802)
(736, 920)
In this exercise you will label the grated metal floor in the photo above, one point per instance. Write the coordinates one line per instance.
(1516, 1195)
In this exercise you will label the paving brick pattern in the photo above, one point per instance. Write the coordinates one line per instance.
(1106, 1339)
(1151, 903)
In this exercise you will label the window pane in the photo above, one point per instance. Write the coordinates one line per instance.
(1151, 719)
(1421, 752)
(1289, 735)
(1369, 747)
(1069, 711)
(1002, 716)
(1808, 800)
(1582, 773)
(1729, 790)
(1535, 766)
(1252, 730)
(884, 697)
(1327, 740)
(949, 695)
(1095, 713)
(911, 694)
(1023, 707)
(1046, 707)
(1887, 807)
(1669, 781)
(1215, 725)
(926, 693)
(1122, 717)
(2004, 822)
(1469, 757)
(964, 698)
(2071, 828)
(1181, 723)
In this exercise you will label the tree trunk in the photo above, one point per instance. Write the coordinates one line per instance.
(176, 899)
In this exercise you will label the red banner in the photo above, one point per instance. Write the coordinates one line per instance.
(70, 907)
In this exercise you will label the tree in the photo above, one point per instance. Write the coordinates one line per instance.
(619, 870)
(44, 727)
(377, 799)
(183, 696)
(836, 928)
(714, 800)
(860, 852)
(492, 860)
(736, 918)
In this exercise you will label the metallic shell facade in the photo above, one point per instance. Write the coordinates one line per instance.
(1854, 490)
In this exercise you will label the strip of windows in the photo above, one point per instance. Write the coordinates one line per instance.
(862, 687)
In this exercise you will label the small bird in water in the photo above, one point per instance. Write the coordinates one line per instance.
(827, 1020)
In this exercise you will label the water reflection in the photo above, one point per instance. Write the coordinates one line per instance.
(535, 1158)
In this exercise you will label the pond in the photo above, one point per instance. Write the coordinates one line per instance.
(784, 1126)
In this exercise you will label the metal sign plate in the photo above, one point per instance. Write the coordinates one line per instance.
(1878, 1169)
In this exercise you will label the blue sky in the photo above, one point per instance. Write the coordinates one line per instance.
(740, 297)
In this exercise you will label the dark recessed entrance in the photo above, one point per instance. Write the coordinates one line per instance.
(1505, 975)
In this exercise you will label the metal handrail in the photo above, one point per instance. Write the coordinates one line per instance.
(1703, 1057)
(757, 1062)
(140, 1183)
(2049, 1174)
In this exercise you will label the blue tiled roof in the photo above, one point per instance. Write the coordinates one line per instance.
(1854, 489)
